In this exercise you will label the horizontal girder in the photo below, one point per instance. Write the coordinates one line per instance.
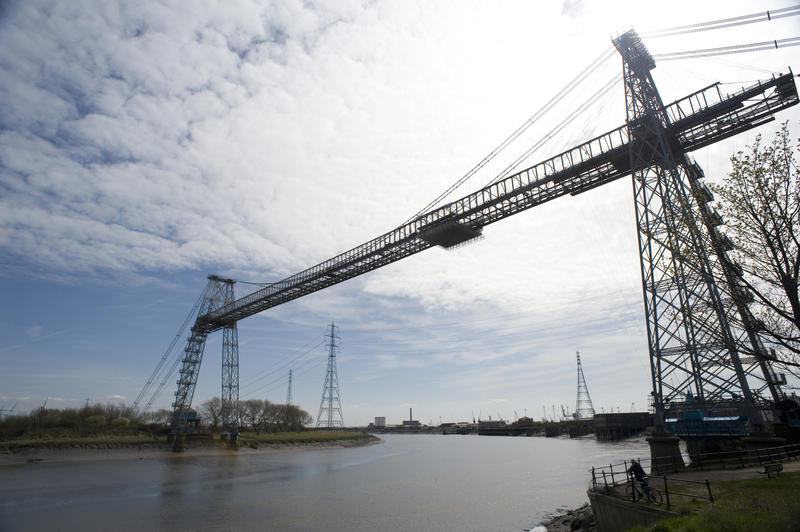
(699, 119)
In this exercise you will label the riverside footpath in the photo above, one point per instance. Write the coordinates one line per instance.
(730, 486)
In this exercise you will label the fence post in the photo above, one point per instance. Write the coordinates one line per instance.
(611, 468)
(604, 480)
(594, 480)
(666, 490)
(710, 497)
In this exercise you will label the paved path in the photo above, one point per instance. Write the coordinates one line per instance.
(732, 474)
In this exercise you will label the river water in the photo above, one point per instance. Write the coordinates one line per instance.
(408, 483)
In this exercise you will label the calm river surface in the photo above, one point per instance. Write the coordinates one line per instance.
(409, 483)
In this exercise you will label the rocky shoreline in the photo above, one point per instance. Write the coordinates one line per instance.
(578, 520)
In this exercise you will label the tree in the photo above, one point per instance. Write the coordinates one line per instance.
(760, 202)
(251, 411)
(212, 411)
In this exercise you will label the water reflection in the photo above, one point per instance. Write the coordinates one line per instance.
(409, 483)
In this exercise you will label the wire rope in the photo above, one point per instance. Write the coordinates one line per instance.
(550, 134)
(752, 18)
(568, 88)
(164, 358)
(726, 50)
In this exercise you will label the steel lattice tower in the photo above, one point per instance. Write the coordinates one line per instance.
(330, 404)
(583, 404)
(695, 330)
(230, 376)
(289, 391)
(218, 292)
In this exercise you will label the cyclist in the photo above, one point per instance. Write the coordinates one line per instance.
(638, 473)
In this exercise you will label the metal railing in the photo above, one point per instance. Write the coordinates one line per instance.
(608, 481)
(609, 478)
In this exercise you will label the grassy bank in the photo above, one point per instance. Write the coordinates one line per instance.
(66, 440)
(310, 436)
(743, 506)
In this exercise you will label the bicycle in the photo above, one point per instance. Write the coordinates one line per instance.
(636, 493)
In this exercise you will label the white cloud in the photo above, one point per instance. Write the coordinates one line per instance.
(243, 137)
(115, 397)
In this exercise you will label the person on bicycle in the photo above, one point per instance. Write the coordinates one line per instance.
(638, 473)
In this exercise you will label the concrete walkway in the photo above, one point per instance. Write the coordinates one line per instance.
(730, 474)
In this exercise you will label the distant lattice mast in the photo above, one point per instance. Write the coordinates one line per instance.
(330, 407)
(289, 392)
(583, 404)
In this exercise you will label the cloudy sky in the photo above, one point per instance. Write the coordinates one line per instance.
(146, 145)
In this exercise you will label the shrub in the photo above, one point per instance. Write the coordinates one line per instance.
(121, 422)
(96, 421)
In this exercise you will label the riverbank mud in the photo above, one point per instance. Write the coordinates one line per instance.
(109, 451)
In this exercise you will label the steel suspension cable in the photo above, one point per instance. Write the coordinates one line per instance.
(549, 135)
(164, 358)
(163, 383)
(568, 88)
(761, 16)
(727, 50)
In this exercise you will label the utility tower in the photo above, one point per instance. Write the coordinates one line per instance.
(583, 404)
(697, 330)
(289, 392)
(330, 408)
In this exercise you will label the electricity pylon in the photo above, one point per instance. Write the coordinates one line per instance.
(583, 404)
(330, 404)
(289, 392)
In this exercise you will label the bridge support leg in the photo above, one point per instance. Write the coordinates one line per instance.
(665, 453)
(179, 444)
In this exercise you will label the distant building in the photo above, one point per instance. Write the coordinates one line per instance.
(411, 422)
(380, 421)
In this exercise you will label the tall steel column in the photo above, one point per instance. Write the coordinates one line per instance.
(218, 292)
(230, 378)
(229, 413)
(693, 339)
(330, 404)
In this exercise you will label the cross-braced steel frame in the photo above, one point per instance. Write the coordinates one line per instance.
(330, 407)
(218, 292)
(583, 403)
(695, 333)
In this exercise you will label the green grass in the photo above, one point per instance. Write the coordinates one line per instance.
(60, 438)
(302, 437)
(743, 506)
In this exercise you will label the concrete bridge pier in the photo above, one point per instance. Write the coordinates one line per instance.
(178, 442)
(665, 453)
